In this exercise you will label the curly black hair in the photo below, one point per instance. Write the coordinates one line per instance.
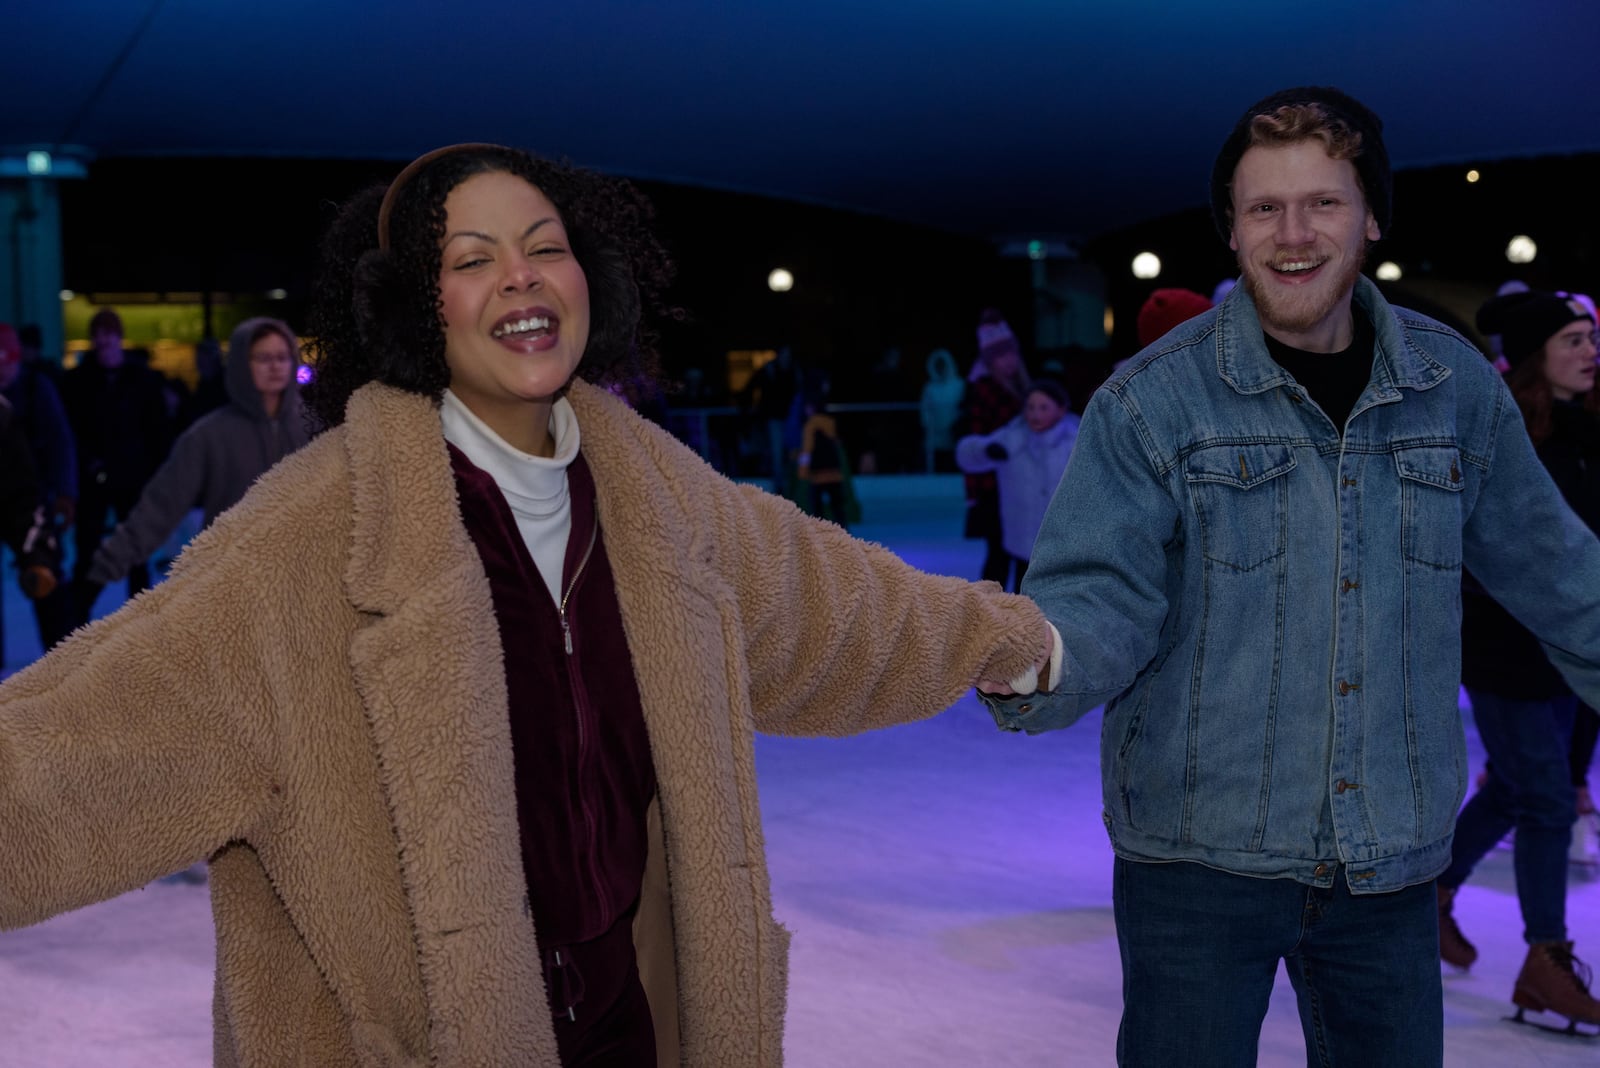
(376, 315)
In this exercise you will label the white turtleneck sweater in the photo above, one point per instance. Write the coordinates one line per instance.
(534, 487)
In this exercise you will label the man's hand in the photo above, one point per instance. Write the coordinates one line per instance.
(1028, 681)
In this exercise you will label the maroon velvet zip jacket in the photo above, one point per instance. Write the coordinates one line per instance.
(584, 775)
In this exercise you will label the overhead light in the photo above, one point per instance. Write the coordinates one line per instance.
(56, 161)
(780, 280)
(67, 294)
(1037, 250)
(1473, 175)
(1521, 249)
(1146, 265)
(1388, 271)
(277, 294)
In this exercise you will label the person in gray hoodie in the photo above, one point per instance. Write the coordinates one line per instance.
(215, 461)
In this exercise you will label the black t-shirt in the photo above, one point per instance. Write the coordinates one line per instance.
(1334, 379)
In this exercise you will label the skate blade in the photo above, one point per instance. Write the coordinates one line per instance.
(1571, 1030)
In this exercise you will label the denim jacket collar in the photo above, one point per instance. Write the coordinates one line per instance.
(1245, 365)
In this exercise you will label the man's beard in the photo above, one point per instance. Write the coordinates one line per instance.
(1300, 310)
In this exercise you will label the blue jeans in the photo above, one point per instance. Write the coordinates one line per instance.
(1200, 950)
(1529, 788)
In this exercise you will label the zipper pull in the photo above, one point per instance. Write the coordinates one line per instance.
(566, 632)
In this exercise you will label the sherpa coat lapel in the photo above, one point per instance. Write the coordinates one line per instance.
(684, 631)
(427, 665)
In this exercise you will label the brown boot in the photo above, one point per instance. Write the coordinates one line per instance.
(1453, 945)
(1553, 980)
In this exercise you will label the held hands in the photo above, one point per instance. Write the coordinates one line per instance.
(1035, 678)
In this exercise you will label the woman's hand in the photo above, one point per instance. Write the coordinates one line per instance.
(1028, 681)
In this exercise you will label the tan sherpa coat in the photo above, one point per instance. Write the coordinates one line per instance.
(315, 700)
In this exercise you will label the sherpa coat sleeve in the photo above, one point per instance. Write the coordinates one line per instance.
(136, 748)
(838, 635)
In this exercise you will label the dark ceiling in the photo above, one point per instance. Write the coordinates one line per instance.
(1021, 118)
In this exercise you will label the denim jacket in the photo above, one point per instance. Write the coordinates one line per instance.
(1270, 611)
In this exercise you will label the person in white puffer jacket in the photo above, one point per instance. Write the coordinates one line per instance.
(1028, 456)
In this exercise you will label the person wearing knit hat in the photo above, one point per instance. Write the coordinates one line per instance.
(1586, 731)
(995, 335)
(1525, 711)
(1253, 563)
(1526, 321)
(1165, 309)
(1299, 190)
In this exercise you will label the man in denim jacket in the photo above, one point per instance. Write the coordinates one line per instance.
(1254, 561)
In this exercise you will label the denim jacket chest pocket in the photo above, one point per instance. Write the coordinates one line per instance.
(1239, 494)
(1430, 505)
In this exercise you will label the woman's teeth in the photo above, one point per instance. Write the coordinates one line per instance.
(522, 326)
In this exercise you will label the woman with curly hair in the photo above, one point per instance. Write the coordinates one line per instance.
(470, 747)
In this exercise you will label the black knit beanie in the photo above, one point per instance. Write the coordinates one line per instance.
(1372, 165)
(1526, 320)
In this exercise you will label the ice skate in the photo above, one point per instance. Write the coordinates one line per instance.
(1554, 981)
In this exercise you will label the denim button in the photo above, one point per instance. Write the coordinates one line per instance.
(1024, 708)
(1320, 870)
(1344, 688)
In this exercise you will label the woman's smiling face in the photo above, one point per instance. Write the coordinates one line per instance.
(515, 304)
